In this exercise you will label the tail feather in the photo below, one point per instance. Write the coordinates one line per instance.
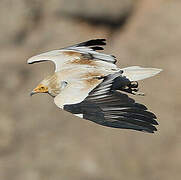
(136, 73)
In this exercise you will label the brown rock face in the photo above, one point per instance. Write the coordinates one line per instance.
(38, 141)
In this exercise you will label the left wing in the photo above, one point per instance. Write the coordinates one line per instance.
(80, 54)
(106, 106)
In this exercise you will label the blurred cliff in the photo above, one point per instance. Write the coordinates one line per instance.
(38, 141)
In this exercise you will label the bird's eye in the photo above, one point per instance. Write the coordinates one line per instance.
(42, 88)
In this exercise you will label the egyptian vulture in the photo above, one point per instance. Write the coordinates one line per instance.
(88, 84)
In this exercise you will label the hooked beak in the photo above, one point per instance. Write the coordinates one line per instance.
(32, 93)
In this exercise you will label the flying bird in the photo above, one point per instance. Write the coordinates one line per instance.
(88, 84)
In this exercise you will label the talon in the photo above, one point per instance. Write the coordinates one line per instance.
(134, 84)
(135, 89)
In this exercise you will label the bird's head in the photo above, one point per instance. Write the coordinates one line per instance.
(41, 88)
(50, 85)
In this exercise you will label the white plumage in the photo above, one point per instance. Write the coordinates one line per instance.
(136, 73)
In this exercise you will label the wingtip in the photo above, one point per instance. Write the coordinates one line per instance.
(33, 60)
(151, 131)
(99, 39)
(41, 57)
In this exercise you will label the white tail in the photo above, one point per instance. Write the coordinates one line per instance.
(136, 73)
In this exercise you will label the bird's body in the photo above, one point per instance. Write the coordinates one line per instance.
(89, 84)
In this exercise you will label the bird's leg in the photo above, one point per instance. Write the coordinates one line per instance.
(132, 88)
(133, 84)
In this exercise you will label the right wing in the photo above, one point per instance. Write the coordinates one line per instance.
(80, 54)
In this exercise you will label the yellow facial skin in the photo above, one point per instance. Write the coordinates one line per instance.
(39, 89)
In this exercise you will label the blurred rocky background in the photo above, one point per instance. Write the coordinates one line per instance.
(38, 141)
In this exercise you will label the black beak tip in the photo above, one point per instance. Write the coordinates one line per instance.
(32, 93)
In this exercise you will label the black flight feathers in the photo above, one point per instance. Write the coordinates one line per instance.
(107, 106)
(94, 44)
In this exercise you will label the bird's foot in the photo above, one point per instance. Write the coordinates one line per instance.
(132, 88)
